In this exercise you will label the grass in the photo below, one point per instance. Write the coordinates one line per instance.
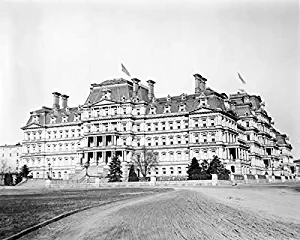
(20, 209)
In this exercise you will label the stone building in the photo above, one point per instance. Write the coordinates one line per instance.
(10, 157)
(122, 116)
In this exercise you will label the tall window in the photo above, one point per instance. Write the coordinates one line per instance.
(163, 125)
(178, 139)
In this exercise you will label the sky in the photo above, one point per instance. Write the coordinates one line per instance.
(64, 46)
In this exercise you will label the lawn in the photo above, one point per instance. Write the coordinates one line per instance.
(20, 209)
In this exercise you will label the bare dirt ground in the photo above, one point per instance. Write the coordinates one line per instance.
(196, 213)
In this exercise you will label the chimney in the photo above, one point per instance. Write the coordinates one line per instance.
(56, 100)
(135, 86)
(64, 101)
(200, 84)
(150, 89)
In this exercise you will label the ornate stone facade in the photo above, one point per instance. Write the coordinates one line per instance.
(121, 116)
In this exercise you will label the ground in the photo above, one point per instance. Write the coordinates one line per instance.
(23, 208)
(258, 212)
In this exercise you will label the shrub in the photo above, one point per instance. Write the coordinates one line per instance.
(132, 177)
(115, 172)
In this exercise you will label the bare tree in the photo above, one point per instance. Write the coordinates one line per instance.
(3, 167)
(145, 160)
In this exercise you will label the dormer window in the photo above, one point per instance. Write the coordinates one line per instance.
(182, 107)
(168, 98)
(123, 99)
(167, 109)
(152, 110)
(76, 117)
(64, 118)
(35, 118)
(53, 119)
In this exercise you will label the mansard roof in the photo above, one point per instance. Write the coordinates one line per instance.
(44, 115)
(119, 88)
(191, 102)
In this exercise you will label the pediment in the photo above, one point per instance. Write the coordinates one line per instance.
(32, 125)
(103, 102)
(203, 110)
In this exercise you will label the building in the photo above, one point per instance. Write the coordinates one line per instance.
(9, 157)
(121, 116)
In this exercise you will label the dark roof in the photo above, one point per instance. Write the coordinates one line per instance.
(119, 88)
(45, 114)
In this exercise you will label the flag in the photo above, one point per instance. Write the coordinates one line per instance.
(125, 70)
(240, 77)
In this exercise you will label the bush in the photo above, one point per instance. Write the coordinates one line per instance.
(115, 172)
(132, 177)
(204, 172)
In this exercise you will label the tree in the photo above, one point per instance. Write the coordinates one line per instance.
(132, 177)
(216, 167)
(144, 160)
(115, 172)
(8, 179)
(25, 171)
(194, 170)
(3, 168)
(205, 175)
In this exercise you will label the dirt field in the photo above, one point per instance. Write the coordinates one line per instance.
(196, 213)
(23, 208)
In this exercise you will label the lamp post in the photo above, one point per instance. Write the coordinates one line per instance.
(86, 166)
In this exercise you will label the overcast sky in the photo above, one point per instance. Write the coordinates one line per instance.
(66, 45)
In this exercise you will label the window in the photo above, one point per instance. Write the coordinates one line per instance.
(138, 111)
(156, 142)
(212, 122)
(179, 139)
(247, 124)
(149, 126)
(124, 110)
(163, 141)
(149, 141)
(138, 127)
(186, 124)
(178, 125)
(59, 174)
(156, 171)
(171, 156)
(178, 156)
(164, 171)
(156, 126)
(171, 170)
(248, 137)
(115, 111)
(163, 126)
(171, 140)
(204, 123)
(179, 170)
(186, 139)
(196, 123)
(196, 138)
(213, 138)
(171, 125)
